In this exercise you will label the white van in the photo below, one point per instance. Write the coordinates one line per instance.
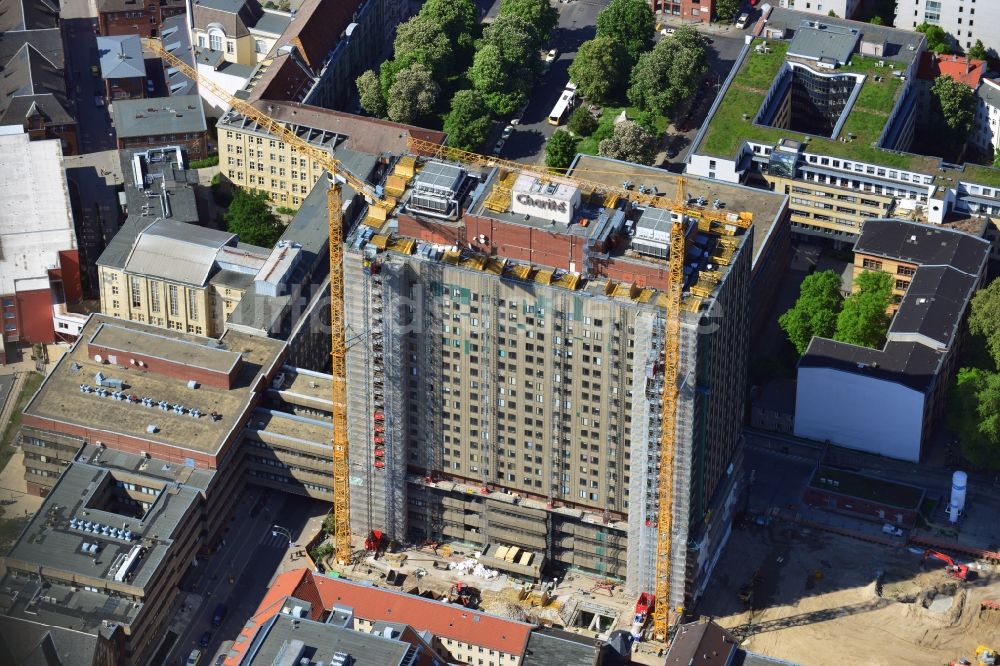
(741, 22)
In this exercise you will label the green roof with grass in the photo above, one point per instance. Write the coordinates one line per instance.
(867, 488)
(728, 130)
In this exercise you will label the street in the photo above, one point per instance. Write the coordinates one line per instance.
(93, 121)
(238, 573)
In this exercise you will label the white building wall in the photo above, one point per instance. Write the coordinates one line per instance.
(965, 20)
(986, 133)
(859, 412)
(214, 106)
(842, 8)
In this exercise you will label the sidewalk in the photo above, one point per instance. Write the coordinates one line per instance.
(714, 28)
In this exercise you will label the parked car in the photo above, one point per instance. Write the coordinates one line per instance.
(206, 638)
(219, 615)
(497, 149)
(551, 55)
(193, 658)
(741, 22)
(507, 131)
(666, 32)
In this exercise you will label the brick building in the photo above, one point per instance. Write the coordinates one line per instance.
(162, 121)
(686, 10)
(135, 17)
(39, 264)
(122, 67)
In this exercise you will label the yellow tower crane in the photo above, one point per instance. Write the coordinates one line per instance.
(663, 614)
(336, 170)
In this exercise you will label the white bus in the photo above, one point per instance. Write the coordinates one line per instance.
(562, 107)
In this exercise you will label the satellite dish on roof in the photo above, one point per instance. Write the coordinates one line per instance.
(98, 358)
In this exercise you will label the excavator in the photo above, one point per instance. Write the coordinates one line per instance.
(952, 568)
(984, 657)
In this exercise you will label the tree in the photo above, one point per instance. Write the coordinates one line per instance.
(582, 122)
(491, 77)
(984, 318)
(815, 311)
(468, 122)
(250, 217)
(517, 42)
(598, 69)
(956, 104)
(832, 14)
(370, 94)
(974, 413)
(629, 23)
(996, 159)
(560, 150)
(422, 40)
(937, 38)
(458, 20)
(387, 75)
(629, 142)
(877, 20)
(539, 13)
(978, 51)
(863, 320)
(727, 10)
(667, 76)
(413, 94)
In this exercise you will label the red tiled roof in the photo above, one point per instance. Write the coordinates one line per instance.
(960, 68)
(284, 585)
(441, 619)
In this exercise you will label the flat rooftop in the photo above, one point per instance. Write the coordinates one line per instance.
(119, 547)
(156, 116)
(60, 400)
(305, 387)
(767, 207)
(867, 488)
(292, 428)
(156, 345)
(284, 635)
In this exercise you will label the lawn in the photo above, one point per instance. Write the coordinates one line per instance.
(745, 95)
(606, 123)
(868, 488)
(31, 385)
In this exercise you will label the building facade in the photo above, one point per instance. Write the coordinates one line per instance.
(895, 394)
(986, 133)
(133, 17)
(514, 404)
(251, 157)
(40, 263)
(239, 31)
(841, 8)
(686, 10)
(860, 170)
(963, 22)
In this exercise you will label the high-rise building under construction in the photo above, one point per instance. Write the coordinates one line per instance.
(505, 364)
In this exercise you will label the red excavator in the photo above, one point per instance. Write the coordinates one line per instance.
(952, 568)
(376, 542)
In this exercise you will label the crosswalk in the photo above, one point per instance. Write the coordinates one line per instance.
(272, 540)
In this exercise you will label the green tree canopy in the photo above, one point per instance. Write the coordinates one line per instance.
(863, 319)
(582, 122)
(978, 51)
(876, 20)
(815, 311)
(250, 217)
(629, 142)
(727, 10)
(457, 18)
(667, 76)
(468, 122)
(492, 78)
(517, 42)
(974, 413)
(598, 69)
(539, 13)
(956, 103)
(937, 38)
(984, 318)
(996, 158)
(560, 150)
(413, 94)
(422, 40)
(370, 94)
(629, 23)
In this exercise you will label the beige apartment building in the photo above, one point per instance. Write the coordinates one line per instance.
(177, 276)
(253, 158)
(238, 31)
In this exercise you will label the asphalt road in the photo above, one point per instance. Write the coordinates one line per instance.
(576, 25)
(251, 556)
(93, 121)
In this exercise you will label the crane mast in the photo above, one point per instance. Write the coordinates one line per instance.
(338, 348)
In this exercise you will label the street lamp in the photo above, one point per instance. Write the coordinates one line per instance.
(278, 529)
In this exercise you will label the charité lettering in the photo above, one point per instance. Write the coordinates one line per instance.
(549, 204)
